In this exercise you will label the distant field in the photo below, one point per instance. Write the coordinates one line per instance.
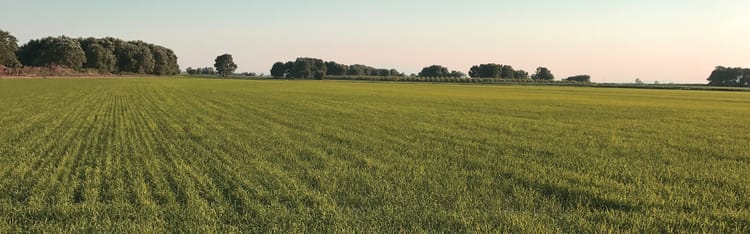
(200, 155)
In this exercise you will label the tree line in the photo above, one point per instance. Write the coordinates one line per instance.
(104, 55)
(498, 71)
(313, 68)
(730, 77)
(200, 71)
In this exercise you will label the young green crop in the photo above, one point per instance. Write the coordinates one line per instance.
(200, 155)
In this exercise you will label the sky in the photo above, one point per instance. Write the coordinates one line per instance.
(677, 41)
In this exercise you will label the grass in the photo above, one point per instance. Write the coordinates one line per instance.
(200, 155)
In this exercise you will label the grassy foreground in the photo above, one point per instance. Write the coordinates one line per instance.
(202, 155)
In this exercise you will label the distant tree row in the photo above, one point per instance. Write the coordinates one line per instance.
(201, 71)
(492, 70)
(105, 55)
(730, 77)
(440, 71)
(579, 78)
(313, 68)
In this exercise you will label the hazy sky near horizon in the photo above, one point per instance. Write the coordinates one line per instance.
(614, 41)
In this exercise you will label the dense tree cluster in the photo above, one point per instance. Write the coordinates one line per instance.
(201, 71)
(579, 78)
(312, 68)
(439, 71)
(61, 51)
(8, 48)
(492, 70)
(105, 55)
(363, 70)
(730, 76)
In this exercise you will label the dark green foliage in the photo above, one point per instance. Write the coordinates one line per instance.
(492, 70)
(105, 55)
(359, 70)
(289, 69)
(225, 65)
(542, 73)
(52, 51)
(336, 69)
(309, 68)
(435, 71)
(141, 57)
(486, 71)
(165, 61)
(8, 48)
(201, 71)
(730, 77)
(134, 57)
(312, 68)
(457, 74)
(394, 72)
(579, 78)
(507, 72)
(100, 58)
(278, 70)
(521, 74)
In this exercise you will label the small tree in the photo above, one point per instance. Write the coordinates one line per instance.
(542, 73)
(225, 65)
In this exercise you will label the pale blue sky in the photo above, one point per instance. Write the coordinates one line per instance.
(666, 40)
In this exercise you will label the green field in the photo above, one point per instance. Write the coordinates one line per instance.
(200, 155)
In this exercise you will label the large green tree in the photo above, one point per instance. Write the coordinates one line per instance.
(225, 65)
(8, 48)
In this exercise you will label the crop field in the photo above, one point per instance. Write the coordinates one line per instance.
(201, 155)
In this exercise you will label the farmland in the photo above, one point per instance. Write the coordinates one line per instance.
(201, 155)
